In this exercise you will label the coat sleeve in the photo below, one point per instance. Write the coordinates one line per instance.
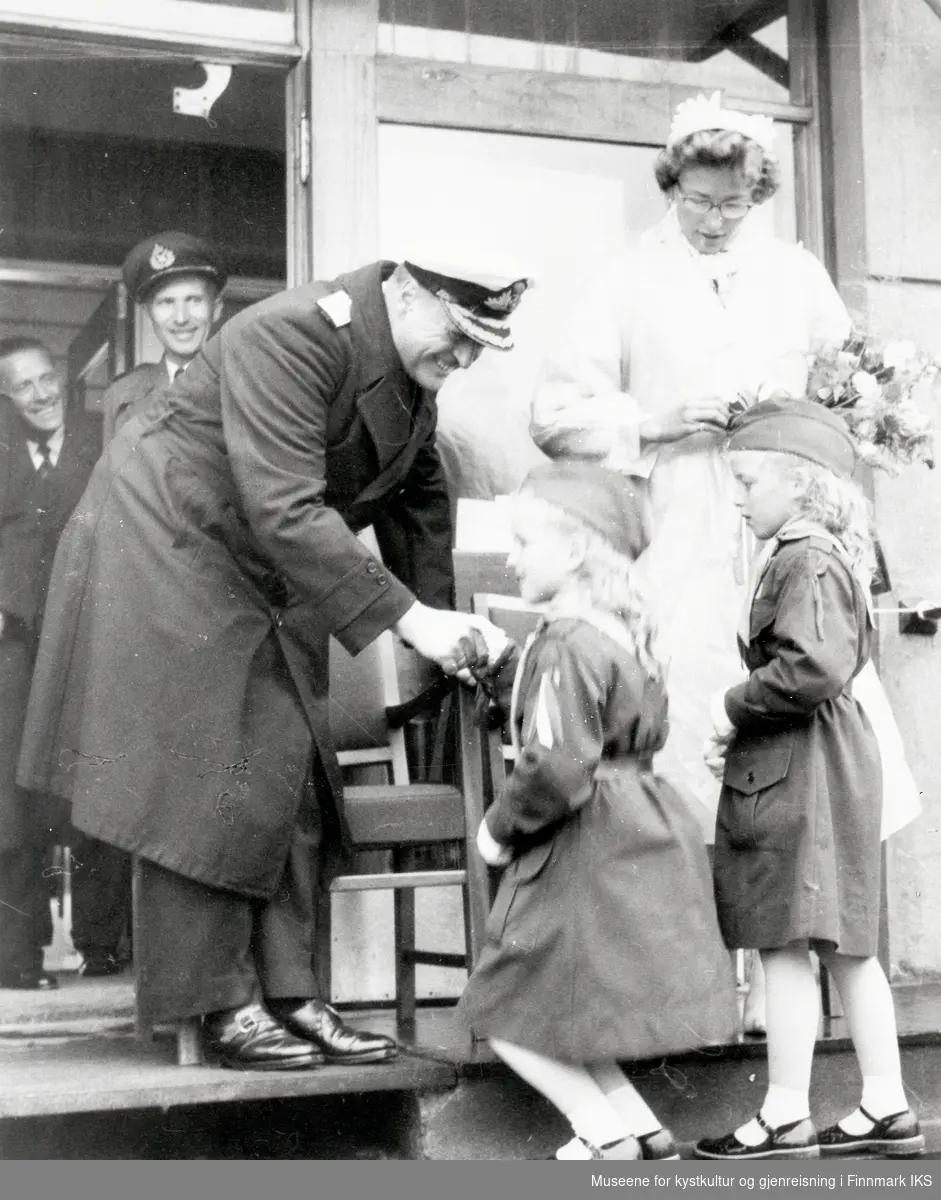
(580, 407)
(280, 370)
(415, 534)
(813, 643)
(561, 744)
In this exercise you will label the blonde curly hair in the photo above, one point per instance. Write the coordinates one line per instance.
(836, 504)
(604, 576)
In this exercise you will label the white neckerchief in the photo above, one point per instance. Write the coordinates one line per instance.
(605, 622)
(792, 531)
(54, 444)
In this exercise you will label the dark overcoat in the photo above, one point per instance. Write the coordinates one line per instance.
(797, 852)
(182, 677)
(131, 393)
(602, 941)
(33, 513)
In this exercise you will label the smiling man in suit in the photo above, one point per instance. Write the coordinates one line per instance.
(45, 462)
(177, 279)
(180, 698)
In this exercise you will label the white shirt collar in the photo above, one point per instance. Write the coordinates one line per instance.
(55, 448)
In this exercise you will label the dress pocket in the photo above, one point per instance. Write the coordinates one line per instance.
(756, 808)
(521, 872)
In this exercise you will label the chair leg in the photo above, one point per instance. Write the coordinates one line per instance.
(143, 1026)
(826, 1002)
(189, 1048)
(404, 903)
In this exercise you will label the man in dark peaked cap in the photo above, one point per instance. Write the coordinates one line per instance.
(180, 699)
(178, 280)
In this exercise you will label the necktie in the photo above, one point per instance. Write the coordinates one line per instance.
(45, 460)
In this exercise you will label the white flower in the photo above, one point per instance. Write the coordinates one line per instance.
(866, 385)
(899, 354)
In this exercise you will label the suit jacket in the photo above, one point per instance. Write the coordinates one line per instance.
(183, 683)
(33, 513)
(131, 393)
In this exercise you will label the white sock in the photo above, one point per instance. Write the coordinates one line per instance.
(883, 1096)
(633, 1110)
(782, 1106)
(573, 1151)
(598, 1123)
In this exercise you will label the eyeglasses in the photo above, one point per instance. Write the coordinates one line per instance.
(731, 210)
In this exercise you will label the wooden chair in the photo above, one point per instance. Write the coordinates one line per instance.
(399, 815)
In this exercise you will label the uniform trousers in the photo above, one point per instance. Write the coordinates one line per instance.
(200, 949)
(101, 894)
(25, 916)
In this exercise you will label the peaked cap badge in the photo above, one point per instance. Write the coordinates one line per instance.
(161, 257)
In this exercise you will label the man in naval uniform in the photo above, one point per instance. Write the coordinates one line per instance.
(180, 701)
(45, 462)
(177, 279)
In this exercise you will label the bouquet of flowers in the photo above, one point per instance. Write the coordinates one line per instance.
(874, 388)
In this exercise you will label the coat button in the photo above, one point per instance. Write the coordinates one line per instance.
(380, 579)
(371, 568)
(751, 777)
(278, 620)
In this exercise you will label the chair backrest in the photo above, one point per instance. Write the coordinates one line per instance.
(361, 688)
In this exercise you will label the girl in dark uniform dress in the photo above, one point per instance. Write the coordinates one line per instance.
(602, 943)
(797, 851)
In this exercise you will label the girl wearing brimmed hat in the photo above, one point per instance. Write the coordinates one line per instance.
(797, 850)
(602, 944)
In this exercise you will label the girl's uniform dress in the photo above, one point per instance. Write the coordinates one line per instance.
(664, 326)
(797, 851)
(603, 941)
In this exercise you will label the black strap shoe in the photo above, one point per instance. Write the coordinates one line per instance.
(250, 1039)
(658, 1146)
(33, 980)
(319, 1023)
(796, 1140)
(896, 1136)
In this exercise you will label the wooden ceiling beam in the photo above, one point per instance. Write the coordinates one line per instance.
(763, 59)
(761, 14)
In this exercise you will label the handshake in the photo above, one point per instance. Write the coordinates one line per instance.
(717, 743)
(460, 643)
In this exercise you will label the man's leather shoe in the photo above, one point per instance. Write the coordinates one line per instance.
(895, 1136)
(250, 1039)
(320, 1024)
(796, 1140)
(100, 966)
(34, 980)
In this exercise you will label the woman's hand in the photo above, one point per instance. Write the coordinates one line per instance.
(699, 416)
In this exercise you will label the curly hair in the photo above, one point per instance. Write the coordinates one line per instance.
(720, 148)
(836, 504)
(605, 579)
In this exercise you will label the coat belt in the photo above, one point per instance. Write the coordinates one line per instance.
(618, 768)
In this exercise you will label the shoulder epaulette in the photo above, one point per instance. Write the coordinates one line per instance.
(819, 543)
(337, 308)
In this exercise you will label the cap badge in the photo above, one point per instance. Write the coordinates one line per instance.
(505, 301)
(161, 257)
